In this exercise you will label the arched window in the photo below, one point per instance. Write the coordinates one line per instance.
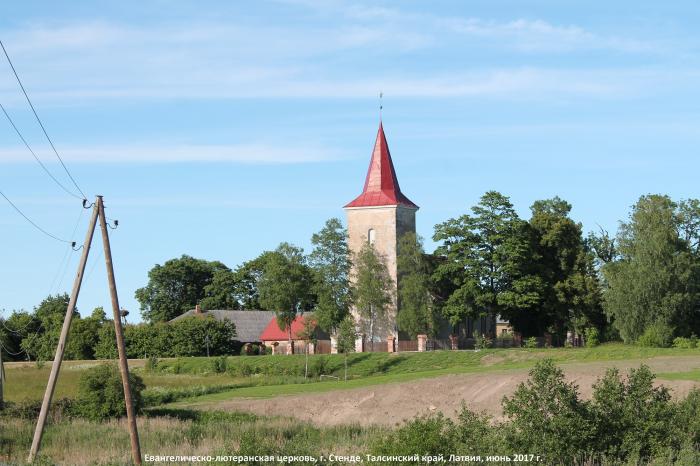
(371, 236)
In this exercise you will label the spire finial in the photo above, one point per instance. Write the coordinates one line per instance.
(381, 94)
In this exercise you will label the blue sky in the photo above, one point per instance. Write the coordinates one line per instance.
(219, 129)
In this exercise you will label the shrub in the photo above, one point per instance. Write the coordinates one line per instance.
(633, 418)
(427, 435)
(656, 335)
(219, 364)
(681, 342)
(592, 337)
(531, 342)
(101, 394)
(151, 364)
(546, 416)
(318, 367)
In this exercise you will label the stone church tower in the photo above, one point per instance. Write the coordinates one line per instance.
(381, 215)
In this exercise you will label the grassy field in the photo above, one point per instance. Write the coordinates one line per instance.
(264, 376)
(169, 429)
(178, 432)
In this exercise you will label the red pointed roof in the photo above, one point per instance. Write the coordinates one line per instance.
(381, 186)
(273, 332)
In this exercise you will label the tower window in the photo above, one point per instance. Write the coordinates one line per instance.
(371, 236)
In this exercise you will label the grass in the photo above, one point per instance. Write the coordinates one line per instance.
(281, 374)
(689, 375)
(180, 432)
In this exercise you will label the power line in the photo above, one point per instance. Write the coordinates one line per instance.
(66, 258)
(34, 154)
(39, 121)
(72, 243)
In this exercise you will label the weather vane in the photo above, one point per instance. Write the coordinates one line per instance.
(381, 94)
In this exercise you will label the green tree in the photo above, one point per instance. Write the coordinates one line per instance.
(246, 279)
(84, 336)
(41, 344)
(330, 261)
(308, 334)
(285, 286)
(346, 336)
(570, 291)
(371, 291)
(175, 287)
(487, 260)
(221, 292)
(415, 314)
(655, 280)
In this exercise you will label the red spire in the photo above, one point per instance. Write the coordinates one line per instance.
(381, 185)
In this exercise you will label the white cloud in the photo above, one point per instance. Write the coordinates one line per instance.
(242, 153)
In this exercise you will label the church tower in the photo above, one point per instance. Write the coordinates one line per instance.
(381, 215)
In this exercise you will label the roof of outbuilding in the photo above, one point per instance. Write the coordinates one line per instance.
(381, 185)
(273, 332)
(249, 324)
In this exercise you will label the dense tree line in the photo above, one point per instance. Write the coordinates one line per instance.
(34, 336)
(541, 274)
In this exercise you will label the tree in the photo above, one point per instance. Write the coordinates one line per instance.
(221, 292)
(308, 334)
(41, 344)
(246, 279)
(487, 259)
(175, 287)
(570, 291)
(371, 290)
(345, 343)
(330, 261)
(415, 309)
(655, 281)
(285, 286)
(101, 393)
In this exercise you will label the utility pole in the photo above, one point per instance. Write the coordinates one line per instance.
(97, 212)
(2, 381)
(60, 349)
(123, 364)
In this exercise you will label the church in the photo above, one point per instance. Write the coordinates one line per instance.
(381, 215)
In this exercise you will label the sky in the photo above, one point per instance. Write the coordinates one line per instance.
(220, 129)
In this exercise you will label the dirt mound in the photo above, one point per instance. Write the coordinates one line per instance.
(393, 403)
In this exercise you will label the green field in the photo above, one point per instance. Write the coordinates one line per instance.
(278, 375)
(167, 428)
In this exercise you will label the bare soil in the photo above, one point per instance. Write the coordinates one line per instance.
(393, 403)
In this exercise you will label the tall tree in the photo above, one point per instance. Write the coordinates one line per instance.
(175, 287)
(487, 260)
(415, 309)
(330, 260)
(285, 286)
(221, 292)
(41, 345)
(656, 278)
(371, 290)
(245, 281)
(570, 295)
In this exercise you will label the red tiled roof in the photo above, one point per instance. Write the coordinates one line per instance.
(273, 332)
(381, 185)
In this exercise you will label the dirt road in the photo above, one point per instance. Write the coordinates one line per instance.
(393, 403)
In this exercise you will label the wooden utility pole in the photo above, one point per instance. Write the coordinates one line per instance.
(123, 364)
(2, 380)
(97, 212)
(60, 349)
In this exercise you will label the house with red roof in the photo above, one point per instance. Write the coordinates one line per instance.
(277, 338)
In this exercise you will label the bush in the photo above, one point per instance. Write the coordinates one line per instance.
(656, 335)
(681, 342)
(546, 416)
(592, 337)
(219, 364)
(428, 435)
(318, 367)
(151, 364)
(101, 394)
(531, 343)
